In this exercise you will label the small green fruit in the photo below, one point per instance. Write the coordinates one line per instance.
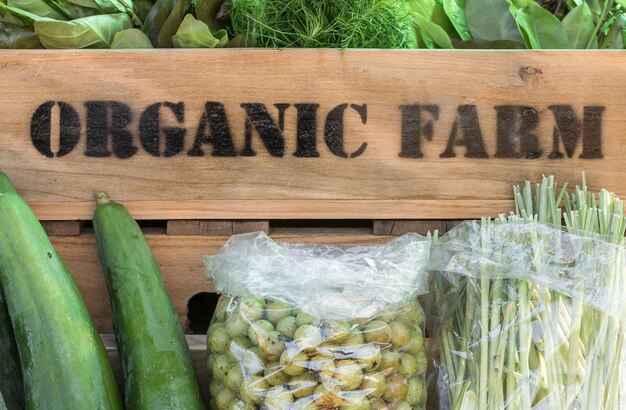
(218, 339)
(272, 345)
(325, 398)
(303, 318)
(287, 326)
(278, 398)
(234, 377)
(237, 348)
(258, 329)
(253, 361)
(400, 335)
(377, 332)
(348, 374)
(302, 385)
(307, 337)
(391, 360)
(408, 365)
(253, 390)
(397, 389)
(403, 405)
(422, 362)
(224, 398)
(369, 356)
(274, 374)
(216, 386)
(355, 338)
(221, 364)
(374, 385)
(335, 331)
(274, 311)
(417, 342)
(251, 310)
(236, 326)
(292, 364)
(416, 391)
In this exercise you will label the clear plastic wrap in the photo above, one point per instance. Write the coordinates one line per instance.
(531, 317)
(318, 327)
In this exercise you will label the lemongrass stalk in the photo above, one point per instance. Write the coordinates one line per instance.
(484, 320)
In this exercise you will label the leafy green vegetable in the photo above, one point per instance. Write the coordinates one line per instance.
(131, 38)
(579, 26)
(17, 36)
(437, 34)
(481, 44)
(324, 23)
(491, 20)
(37, 7)
(156, 17)
(207, 11)
(194, 33)
(455, 11)
(172, 22)
(539, 28)
(88, 32)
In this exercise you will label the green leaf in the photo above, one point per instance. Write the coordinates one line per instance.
(132, 38)
(194, 33)
(87, 32)
(622, 3)
(614, 38)
(435, 32)
(579, 26)
(142, 8)
(434, 12)
(17, 36)
(487, 45)
(37, 7)
(491, 20)
(207, 10)
(156, 17)
(540, 28)
(172, 23)
(455, 11)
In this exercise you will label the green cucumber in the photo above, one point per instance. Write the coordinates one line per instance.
(63, 360)
(158, 369)
(11, 381)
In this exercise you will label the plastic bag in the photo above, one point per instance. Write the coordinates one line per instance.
(318, 327)
(532, 317)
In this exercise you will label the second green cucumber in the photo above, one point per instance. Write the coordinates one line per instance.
(158, 369)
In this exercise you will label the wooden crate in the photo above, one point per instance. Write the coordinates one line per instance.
(204, 144)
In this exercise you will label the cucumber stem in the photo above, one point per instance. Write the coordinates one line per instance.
(102, 197)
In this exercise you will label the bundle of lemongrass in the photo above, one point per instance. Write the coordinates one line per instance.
(536, 317)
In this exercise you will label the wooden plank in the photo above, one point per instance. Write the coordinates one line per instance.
(250, 226)
(286, 209)
(62, 228)
(180, 261)
(383, 227)
(401, 227)
(447, 132)
(200, 227)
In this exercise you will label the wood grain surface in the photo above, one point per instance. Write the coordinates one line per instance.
(375, 183)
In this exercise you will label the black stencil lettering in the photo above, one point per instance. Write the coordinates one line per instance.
(515, 127)
(307, 131)
(414, 128)
(467, 121)
(40, 129)
(106, 118)
(214, 121)
(150, 130)
(568, 129)
(257, 117)
(334, 130)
